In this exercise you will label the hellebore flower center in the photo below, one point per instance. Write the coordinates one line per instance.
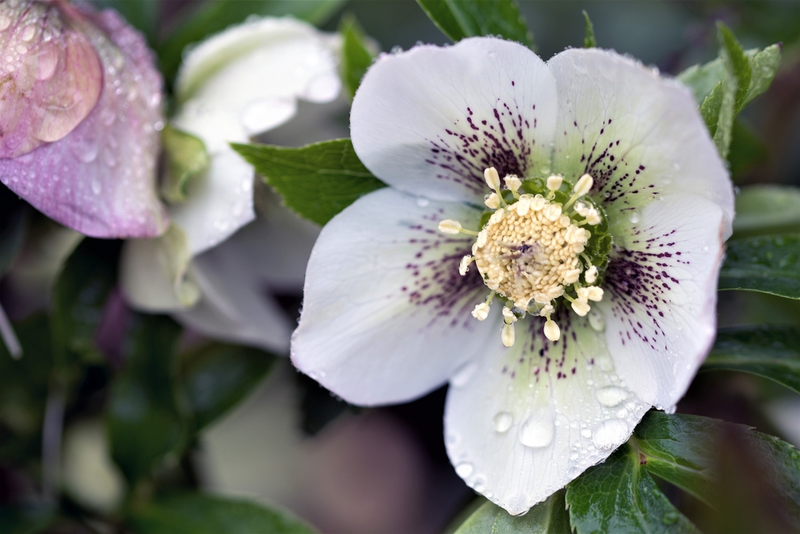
(531, 252)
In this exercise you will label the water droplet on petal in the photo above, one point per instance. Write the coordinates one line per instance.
(611, 396)
(634, 217)
(597, 321)
(610, 434)
(422, 202)
(502, 421)
(586, 433)
(538, 430)
(464, 469)
(463, 374)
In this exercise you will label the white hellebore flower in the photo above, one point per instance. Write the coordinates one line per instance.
(589, 287)
(215, 265)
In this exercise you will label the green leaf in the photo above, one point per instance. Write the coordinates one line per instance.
(198, 513)
(589, 41)
(763, 66)
(780, 465)
(357, 55)
(472, 18)
(768, 264)
(712, 105)
(548, 517)
(215, 15)
(679, 449)
(79, 297)
(764, 209)
(217, 377)
(143, 418)
(317, 181)
(736, 63)
(772, 352)
(186, 156)
(620, 496)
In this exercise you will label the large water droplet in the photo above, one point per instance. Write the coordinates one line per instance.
(597, 321)
(670, 518)
(586, 433)
(502, 421)
(464, 469)
(610, 434)
(86, 149)
(97, 187)
(634, 217)
(463, 374)
(422, 202)
(611, 396)
(538, 430)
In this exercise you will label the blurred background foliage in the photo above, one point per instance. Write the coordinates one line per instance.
(113, 421)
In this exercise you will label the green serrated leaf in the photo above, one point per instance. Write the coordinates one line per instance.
(357, 54)
(548, 517)
(186, 156)
(736, 63)
(772, 352)
(589, 41)
(780, 464)
(764, 66)
(620, 496)
(711, 107)
(679, 449)
(317, 181)
(471, 18)
(198, 513)
(218, 376)
(144, 421)
(215, 15)
(768, 264)
(766, 209)
(79, 298)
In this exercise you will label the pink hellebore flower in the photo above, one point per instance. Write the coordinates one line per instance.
(80, 111)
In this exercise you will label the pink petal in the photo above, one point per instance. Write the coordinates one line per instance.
(50, 77)
(100, 179)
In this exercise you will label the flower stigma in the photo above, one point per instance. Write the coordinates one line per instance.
(531, 252)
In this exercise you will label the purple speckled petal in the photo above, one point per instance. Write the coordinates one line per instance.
(386, 316)
(100, 178)
(660, 307)
(429, 121)
(51, 77)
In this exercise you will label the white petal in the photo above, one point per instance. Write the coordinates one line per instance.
(153, 272)
(535, 416)
(237, 304)
(639, 135)
(254, 73)
(237, 84)
(429, 121)
(386, 316)
(219, 201)
(660, 299)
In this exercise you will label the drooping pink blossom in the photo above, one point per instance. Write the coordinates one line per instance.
(80, 113)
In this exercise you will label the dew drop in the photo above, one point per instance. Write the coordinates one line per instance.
(86, 149)
(464, 469)
(5, 22)
(634, 217)
(611, 396)
(538, 430)
(97, 187)
(586, 433)
(609, 434)
(670, 518)
(502, 421)
(597, 321)
(28, 33)
(479, 485)
(463, 374)
(422, 202)
(604, 363)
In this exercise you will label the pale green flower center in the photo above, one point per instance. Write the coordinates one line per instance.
(531, 252)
